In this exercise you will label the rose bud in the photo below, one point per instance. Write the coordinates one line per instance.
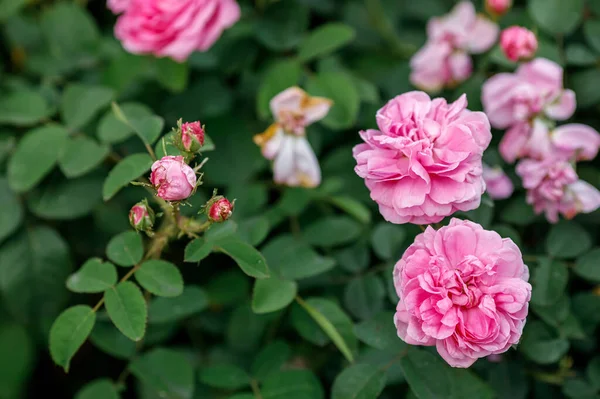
(141, 216)
(498, 8)
(173, 179)
(192, 136)
(518, 43)
(219, 209)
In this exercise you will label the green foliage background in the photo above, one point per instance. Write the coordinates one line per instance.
(62, 200)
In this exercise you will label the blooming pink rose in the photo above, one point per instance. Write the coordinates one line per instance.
(118, 6)
(220, 210)
(436, 66)
(192, 136)
(463, 289)
(498, 184)
(535, 88)
(518, 43)
(553, 187)
(424, 162)
(174, 28)
(173, 178)
(498, 7)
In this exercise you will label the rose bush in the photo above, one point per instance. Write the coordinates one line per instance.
(238, 199)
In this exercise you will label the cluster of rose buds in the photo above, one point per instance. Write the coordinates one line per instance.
(175, 180)
(528, 103)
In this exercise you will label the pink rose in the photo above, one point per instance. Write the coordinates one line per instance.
(141, 216)
(518, 43)
(220, 209)
(498, 7)
(174, 28)
(463, 289)
(553, 187)
(424, 162)
(436, 66)
(535, 88)
(118, 6)
(192, 136)
(498, 184)
(576, 141)
(173, 178)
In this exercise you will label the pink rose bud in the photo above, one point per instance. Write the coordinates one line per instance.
(192, 136)
(118, 6)
(220, 209)
(141, 216)
(173, 178)
(518, 43)
(498, 7)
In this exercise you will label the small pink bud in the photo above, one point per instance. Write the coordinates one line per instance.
(173, 179)
(141, 216)
(192, 136)
(220, 209)
(498, 7)
(518, 43)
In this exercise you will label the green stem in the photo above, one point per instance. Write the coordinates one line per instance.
(255, 389)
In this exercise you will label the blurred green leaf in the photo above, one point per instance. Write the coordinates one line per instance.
(588, 266)
(93, 276)
(112, 130)
(254, 230)
(17, 354)
(332, 231)
(556, 16)
(148, 128)
(197, 250)
(324, 40)
(228, 288)
(579, 55)
(360, 381)
(224, 376)
(126, 308)
(22, 107)
(11, 212)
(567, 239)
(270, 359)
(577, 388)
(282, 26)
(364, 296)
(518, 212)
(593, 372)
(125, 249)
(339, 87)
(276, 78)
(81, 155)
(292, 384)
(509, 380)
(539, 344)
(272, 294)
(109, 339)
(352, 207)
(69, 332)
(172, 74)
(549, 281)
(163, 310)
(591, 30)
(353, 258)
(427, 375)
(8, 8)
(380, 332)
(80, 103)
(387, 240)
(160, 277)
(36, 154)
(98, 389)
(246, 256)
(584, 84)
(127, 170)
(245, 329)
(167, 372)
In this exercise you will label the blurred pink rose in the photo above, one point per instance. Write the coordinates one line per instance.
(518, 43)
(444, 60)
(424, 162)
(498, 184)
(174, 28)
(463, 289)
(553, 187)
(173, 178)
(575, 141)
(118, 6)
(192, 136)
(535, 88)
(498, 7)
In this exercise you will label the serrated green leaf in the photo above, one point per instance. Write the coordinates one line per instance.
(69, 332)
(125, 249)
(272, 294)
(124, 172)
(197, 250)
(363, 296)
(93, 276)
(292, 384)
(81, 155)
(549, 281)
(332, 231)
(112, 130)
(380, 332)
(81, 102)
(292, 259)
(224, 376)
(246, 256)
(426, 375)
(166, 371)
(126, 308)
(98, 389)
(160, 277)
(360, 381)
(387, 240)
(164, 310)
(540, 345)
(567, 239)
(270, 359)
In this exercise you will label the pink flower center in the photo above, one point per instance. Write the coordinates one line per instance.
(292, 122)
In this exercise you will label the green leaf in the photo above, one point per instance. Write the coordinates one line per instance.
(126, 308)
(9, 8)
(353, 258)
(325, 40)
(124, 172)
(168, 372)
(148, 128)
(229, 288)
(112, 130)
(352, 207)
(593, 372)
(332, 321)
(567, 239)
(509, 380)
(221, 231)
(577, 388)
(282, 26)
(98, 389)
(67, 199)
(360, 381)
(254, 230)
(426, 375)
(246, 256)
(588, 266)
(270, 359)
(380, 332)
(11, 212)
(518, 212)
(364, 296)
(465, 384)
(171, 74)
(165, 310)
(35, 156)
(17, 352)
(224, 376)
(556, 16)
(276, 78)
(332, 231)
(23, 107)
(109, 339)
(160, 277)
(540, 345)
(387, 240)
(81, 103)
(197, 250)
(591, 30)
(549, 281)
(125, 249)
(339, 87)
(94, 276)
(69, 332)
(272, 294)
(292, 384)
(81, 155)
(245, 329)
(294, 260)
(579, 55)
(584, 83)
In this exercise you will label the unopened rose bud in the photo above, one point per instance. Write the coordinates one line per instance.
(219, 209)
(141, 216)
(518, 43)
(173, 179)
(498, 8)
(192, 136)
